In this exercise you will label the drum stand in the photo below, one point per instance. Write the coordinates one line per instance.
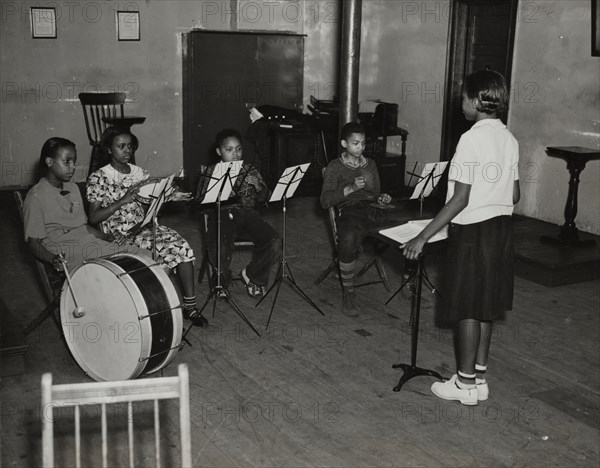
(219, 290)
(411, 370)
(284, 272)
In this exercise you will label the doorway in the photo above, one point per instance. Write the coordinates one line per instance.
(481, 36)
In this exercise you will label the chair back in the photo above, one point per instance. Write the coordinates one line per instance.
(332, 218)
(97, 106)
(79, 395)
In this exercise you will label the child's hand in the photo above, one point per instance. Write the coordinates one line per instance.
(129, 196)
(384, 199)
(253, 180)
(413, 248)
(358, 184)
(57, 263)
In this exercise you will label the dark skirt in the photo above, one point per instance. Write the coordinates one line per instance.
(479, 274)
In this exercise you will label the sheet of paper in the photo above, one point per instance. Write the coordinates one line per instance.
(217, 181)
(159, 194)
(426, 184)
(285, 181)
(410, 230)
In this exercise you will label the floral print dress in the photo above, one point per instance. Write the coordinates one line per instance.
(107, 185)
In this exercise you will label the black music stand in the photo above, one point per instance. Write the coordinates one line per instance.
(159, 196)
(428, 179)
(219, 189)
(411, 370)
(400, 235)
(286, 186)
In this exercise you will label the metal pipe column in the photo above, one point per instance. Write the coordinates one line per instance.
(350, 60)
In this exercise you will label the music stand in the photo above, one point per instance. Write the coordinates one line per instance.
(418, 275)
(428, 179)
(220, 187)
(159, 196)
(286, 186)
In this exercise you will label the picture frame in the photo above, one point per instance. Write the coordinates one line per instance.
(43, 23)
(595, 28)
(128, 25)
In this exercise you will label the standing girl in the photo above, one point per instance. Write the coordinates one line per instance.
(483, 186)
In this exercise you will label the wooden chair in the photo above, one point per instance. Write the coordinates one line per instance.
(51, 281)
(100, 110)
(335, 265)
(105, 393)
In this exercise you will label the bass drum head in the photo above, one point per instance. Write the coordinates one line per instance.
(112, 341)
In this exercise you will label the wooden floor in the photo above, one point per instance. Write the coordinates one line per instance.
(317, 391)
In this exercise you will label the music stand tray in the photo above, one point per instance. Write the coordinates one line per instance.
(286, 186)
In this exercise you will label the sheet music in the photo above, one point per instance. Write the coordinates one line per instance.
(437, 169)
(159, 197)
(286, 181)
(410, 230)
(216, 182)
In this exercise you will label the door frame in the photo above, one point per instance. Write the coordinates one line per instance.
(455, 60)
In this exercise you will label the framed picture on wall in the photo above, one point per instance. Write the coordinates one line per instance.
(128, 25)
(596, 28)
(43, 23)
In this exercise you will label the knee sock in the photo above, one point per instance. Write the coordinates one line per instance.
(189, 303)
(480, 371)
(347, 270)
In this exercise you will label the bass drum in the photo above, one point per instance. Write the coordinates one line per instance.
(131, 323)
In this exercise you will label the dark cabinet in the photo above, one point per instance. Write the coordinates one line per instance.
(226, 73)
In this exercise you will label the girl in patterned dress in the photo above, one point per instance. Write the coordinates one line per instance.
(114, 207)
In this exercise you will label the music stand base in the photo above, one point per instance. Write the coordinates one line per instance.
(411, 371)
(277, 284)
(215, 295)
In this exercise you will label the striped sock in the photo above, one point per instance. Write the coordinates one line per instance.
(189, 303)
(480, 370)
(347, 270)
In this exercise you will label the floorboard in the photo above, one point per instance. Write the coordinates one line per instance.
(317, 391)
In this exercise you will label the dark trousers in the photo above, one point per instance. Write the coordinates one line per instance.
(354, 224)
(246, 224)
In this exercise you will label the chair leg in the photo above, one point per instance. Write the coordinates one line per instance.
(332, 266)
(382, 273)
(204, 269)
(366, 266)
(43, 315)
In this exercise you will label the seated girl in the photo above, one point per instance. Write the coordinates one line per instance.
(53, 213)
(239, 216)
(111, 191)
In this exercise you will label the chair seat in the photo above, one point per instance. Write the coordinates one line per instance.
(125, 121)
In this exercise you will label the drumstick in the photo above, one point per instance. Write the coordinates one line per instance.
(78, 311)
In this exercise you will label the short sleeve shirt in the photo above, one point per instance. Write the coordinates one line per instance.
(47, 207)
(486, 158)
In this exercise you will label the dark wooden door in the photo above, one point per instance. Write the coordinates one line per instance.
(482, 36)
(224, 73)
